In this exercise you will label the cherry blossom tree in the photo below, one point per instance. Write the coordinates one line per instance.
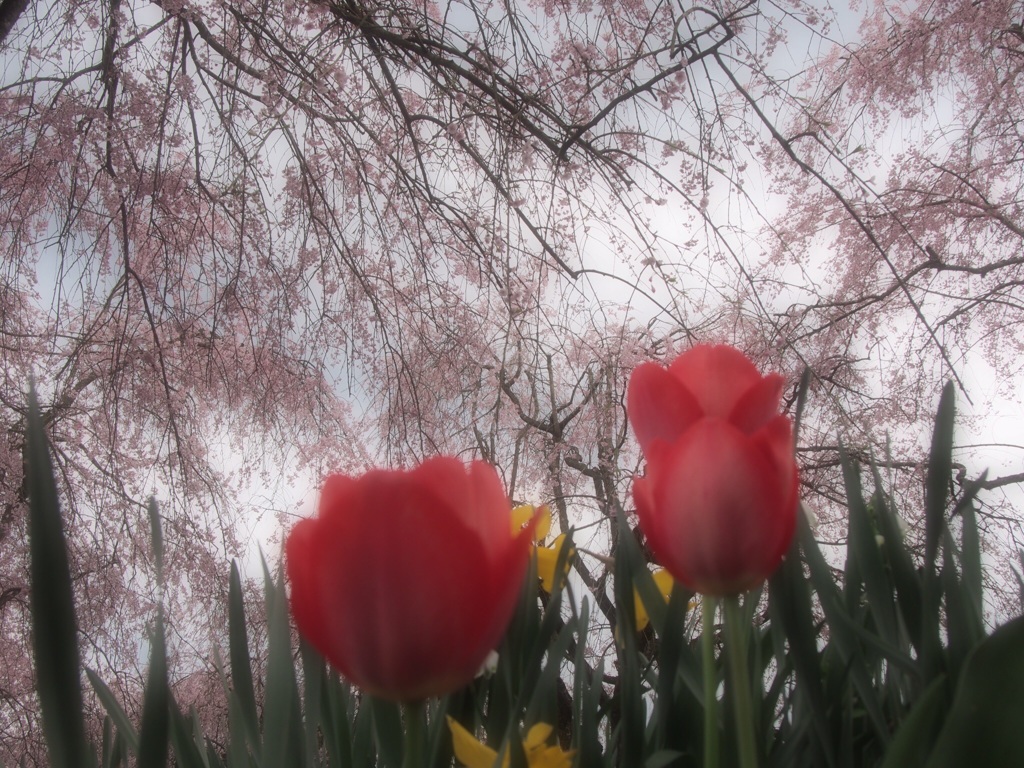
(245, 244)
(898, 260)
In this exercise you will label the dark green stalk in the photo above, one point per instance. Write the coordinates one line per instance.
(739, 681)
(711, 749)
(415, 735)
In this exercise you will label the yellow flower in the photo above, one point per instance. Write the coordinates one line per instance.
(547, 557)
(524, 513)
(472, 754)
(663, 580)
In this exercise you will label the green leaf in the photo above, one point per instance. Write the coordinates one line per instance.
(283, 743)
(189, 750)
(910, 746)
(201, 744)
(789, 605)
(117, 714)
(843, 637)
(519, 646)
(901, 565)
(551, 630)
(337, 719)
(673, 703)
(590, 743)
(363, 754)
(238, 649)
(970, 548)
(512, 746)
(937, 484)
(542, 705)
(663, 758)
(653, 601)
(438, 735)
(863, 547)
(631, 729)
(155, 730)
(964, 625)
(109, 755)
(587, 690)
(940, 474)
(389, 735)
(984, 724)
(313, 678)
(54, 629)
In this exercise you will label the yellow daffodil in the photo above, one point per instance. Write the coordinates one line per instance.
(472, 754)
(663, 580)
(524, 513)
(547, 557)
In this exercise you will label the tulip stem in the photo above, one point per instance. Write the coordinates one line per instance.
(739, 680)
(708, 610)
(415, 735)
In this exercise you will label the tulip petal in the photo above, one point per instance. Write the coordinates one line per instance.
(404, 603)
(776, 440)
(716, 375)
(659, 406)
(474, 493)
(504, 585)
(446, 477)
(306, 599)
(406, 580)
(339, 495)
(489, 514)
(717, 498)
(651, 523)
(759, 405)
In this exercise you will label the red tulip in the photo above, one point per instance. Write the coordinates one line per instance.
(406, 580)
(719, 500)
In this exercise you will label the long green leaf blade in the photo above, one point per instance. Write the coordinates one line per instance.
(117, 714)
(939, 476)
(154, 734)
(283, 744)
(54, 629)
(238, 649)
(864, 548)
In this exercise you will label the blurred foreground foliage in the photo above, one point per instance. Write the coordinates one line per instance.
(884, 662)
